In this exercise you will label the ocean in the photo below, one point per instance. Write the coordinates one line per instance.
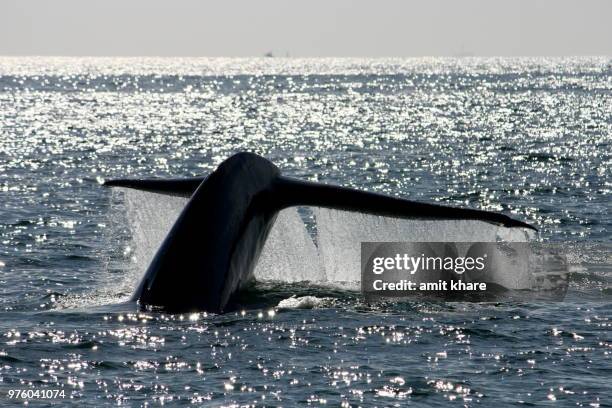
(527, 137)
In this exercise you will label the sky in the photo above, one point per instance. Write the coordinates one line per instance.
(314, 28)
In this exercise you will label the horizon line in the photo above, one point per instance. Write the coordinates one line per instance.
(304, 57)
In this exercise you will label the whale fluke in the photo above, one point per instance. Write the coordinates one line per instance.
(213, 247)
(175, 187)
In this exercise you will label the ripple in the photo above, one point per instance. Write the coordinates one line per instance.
(526, 137)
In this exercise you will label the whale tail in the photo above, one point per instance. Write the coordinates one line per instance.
(212, 249)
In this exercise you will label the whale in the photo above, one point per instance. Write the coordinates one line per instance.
(211, 251)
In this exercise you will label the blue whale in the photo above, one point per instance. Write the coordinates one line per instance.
(213, 247)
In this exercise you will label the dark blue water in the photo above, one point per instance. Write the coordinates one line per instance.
(527, 137)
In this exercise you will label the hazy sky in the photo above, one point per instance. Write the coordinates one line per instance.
(309, 28)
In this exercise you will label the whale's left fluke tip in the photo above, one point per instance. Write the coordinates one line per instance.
(176, 187)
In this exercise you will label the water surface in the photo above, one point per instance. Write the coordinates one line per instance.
(526, 137)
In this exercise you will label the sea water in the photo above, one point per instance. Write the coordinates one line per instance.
(528, 137)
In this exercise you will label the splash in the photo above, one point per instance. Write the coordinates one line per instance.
(289, 254)
(340, 234)
(150, 217)
(139, 223)
(302, 302)
(325, 249)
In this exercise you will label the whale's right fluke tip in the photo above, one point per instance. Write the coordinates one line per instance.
(512, 223)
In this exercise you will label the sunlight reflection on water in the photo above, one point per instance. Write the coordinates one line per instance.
(527, 137)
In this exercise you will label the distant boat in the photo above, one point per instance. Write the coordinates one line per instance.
(463, 54)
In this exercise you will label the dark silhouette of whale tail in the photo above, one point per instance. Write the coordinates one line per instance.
(213, 247)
